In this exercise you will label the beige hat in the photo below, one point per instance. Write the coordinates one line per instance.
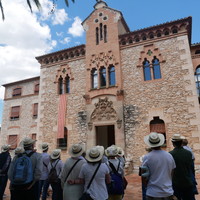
(120, 151)
(19, 150)
(45, 146)
(28, 142)
(76, 150)
(111, 151)
(154, 139)
(5, 148)
(176, 137)
(55, 154)
(94, 154)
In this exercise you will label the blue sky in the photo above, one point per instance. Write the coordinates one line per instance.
(24, 36)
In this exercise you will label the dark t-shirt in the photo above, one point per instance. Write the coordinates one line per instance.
(182, 173)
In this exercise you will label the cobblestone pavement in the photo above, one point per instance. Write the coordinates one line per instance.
(134, 189)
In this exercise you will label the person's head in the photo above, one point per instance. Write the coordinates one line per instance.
(94, 154)
(5, 148)
(19, 150)
(154, 140)
(177, 140)
(76, 150)
(28, 143)
(45, 147)
(120, 152)
(55, 154)
(184, 141)
(111, 152)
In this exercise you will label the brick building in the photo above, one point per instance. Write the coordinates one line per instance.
(115, 89)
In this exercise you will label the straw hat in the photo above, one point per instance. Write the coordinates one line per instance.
(19, 150)
(177, 137)
(111, 151)
(76, 150)
(28, 142)
(55, 154)
(120, 151)
(45, 146)
(154, 139)
(94, 154)
(5, 148)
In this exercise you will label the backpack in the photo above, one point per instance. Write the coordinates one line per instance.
(22, 170)
(117, 185)
(53, 176)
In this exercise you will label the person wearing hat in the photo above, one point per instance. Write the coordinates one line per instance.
(72, 189)
(43, 183)
(112, 153)
(29, 191)
(57, 164)
(160, 165)
(5, 160)
(97, 189)
(182, 180)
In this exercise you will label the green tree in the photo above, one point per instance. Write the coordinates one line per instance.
(36, 2)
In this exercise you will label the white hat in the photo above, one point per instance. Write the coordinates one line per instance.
(45, 146)
(55, 154)
(28, 141)
(5, 148)
(19, 150)
(176, 137)
(120, 151)
(94, 154)
(154, 139)
(111, 151)
(76, 150)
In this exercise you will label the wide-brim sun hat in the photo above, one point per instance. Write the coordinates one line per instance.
(55, 154)
(120, 151)
(45, 146)
(28, 142)
(19, 150)
(111, 151)
(5, 148)
(94, 154)
(177, 137)
(76, 150)
(154, 139)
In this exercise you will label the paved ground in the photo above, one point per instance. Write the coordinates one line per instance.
(133, 191)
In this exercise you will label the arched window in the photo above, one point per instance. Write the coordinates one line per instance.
(60, 85)
(94, 77)
(102, 77)
(67, 84)
(147, 70)
(97, 35)
(158, 125)
(101, 31)
(156, 68)
(111, 73)
(197, 80)
(105, 33)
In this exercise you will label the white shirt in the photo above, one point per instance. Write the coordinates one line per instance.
(97, 189)
(160, 164)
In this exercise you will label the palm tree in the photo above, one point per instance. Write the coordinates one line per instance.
(36, 2)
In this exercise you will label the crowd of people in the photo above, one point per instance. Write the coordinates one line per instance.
(97, 173)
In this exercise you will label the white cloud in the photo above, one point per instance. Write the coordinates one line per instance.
(59, 34)
(76, 30)
(65, 40)
(59, 17)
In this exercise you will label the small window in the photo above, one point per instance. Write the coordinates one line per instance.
(111, 74)
(67, 84)
(15, 113)
(17, 92)
(12, 140)
(94, 77)
(156, 68)
(62, 142)
(36, 90)
(60, 85)
(101, 31)
(147, 70)
(35, 110)
(103, 77)
(105, 33)
(197, 51)
(33, 136)
(97, 35)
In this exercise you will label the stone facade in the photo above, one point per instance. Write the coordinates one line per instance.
(121, 113)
